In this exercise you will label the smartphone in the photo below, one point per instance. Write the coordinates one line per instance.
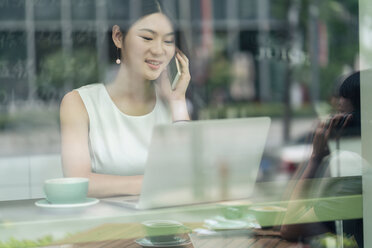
(174, 72)
(342, 121)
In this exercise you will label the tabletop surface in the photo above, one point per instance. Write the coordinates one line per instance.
(258, 241)
(26, 221)
(256, 238)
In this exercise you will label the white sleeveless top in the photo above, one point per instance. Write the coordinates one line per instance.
(118, 143)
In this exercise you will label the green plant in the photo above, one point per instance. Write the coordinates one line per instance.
(220, 73)
(59, 69)
(330, 240)
(36, 118)
(238, 110)
(25, 243)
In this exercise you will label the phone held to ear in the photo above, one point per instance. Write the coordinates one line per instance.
(341, 123)
(174, 72)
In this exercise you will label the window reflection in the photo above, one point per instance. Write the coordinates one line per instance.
(282, 59)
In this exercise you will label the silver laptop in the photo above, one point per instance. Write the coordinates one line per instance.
(201, 161)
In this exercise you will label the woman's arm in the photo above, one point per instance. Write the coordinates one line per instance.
(319, 152)
(177, 98)
(75, 152)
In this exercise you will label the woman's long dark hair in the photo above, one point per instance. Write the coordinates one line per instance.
(350, 90)
(148, 7)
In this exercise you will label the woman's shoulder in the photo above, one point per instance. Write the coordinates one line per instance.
(76, 96)
(71, 98)
(90, 88)
(72, 105)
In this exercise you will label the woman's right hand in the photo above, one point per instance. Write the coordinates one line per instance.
(176, 98)
(178, 94)
(322, 133)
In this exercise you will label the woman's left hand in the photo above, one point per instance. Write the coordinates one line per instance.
(178, 94)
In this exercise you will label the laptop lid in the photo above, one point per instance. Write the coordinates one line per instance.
(203, 161)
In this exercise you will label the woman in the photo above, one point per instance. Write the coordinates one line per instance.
(345, 124)
(106, 129)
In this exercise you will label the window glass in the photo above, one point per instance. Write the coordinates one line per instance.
(219, 9)
(83, 10)
(45, 10)
(12, 10)
(118, 10)
(293, 61)
(197, 10)
(248, 9)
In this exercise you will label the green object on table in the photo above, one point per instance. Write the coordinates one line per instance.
(268, 215)
(14, 243)
(66, 190)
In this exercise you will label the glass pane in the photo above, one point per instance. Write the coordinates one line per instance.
(12, 10)
(49, 65)
(47, 10)
(291, 61)
(279, 10)
(84, 59)
(13, 74)
(83, 9)
(219, 9)
(118, 9)
(248, 9)
(196, 12)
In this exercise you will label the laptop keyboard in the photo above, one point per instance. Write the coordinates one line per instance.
(135, 200)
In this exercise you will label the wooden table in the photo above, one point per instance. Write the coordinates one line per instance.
(257, 242)
(255, 238)
(23, 220)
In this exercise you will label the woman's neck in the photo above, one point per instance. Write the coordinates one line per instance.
(132, 86)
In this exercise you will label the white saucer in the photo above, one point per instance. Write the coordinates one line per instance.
(45, 204)
(145, 242)
(225, 224)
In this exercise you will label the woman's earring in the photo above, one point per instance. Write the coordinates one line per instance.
(118, 61)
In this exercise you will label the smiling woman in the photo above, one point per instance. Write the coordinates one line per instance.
(106, 129)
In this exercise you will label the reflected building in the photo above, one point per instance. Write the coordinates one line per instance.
(35, 33)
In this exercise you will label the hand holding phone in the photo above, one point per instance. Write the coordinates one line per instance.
(174, 72)
(342, 120)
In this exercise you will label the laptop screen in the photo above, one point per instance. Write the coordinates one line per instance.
(203, 161)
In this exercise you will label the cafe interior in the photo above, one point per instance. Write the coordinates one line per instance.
(275, 154)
